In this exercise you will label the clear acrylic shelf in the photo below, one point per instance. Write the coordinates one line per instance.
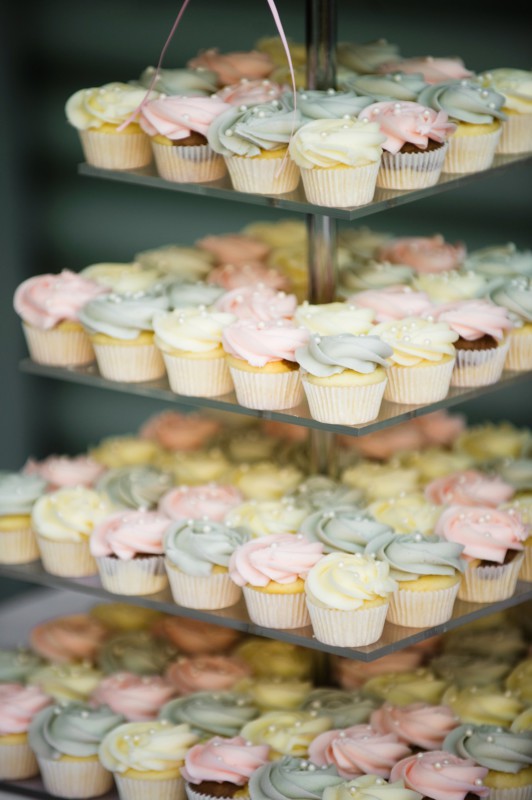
(394, 637)
(390, 413)
(296, 201)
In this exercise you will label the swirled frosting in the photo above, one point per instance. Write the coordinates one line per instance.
(415, 340)
(464, 101)
(330, 103)
(469, 488)
(195, 467)
(211, 501)
(411, 556)
(249, 132)
(516, 296)
(288, 733)
(272, 693)
(486, 533)
(177, 117)
(290, 778)
(342, 528)
(232, 67)
(319, 492)
(136, 651)
(251, 93)
(281, 558)
(344, 708)
(370, 786)
(123, 278)
(514, 84)
(75, 729)
(462, 669)
(261, 303)
(60, 472)
(123, 316)
(271, 657)
(491, 747)
(234, 248)
(136, 487)
(113, 103)
(473, 319)
(486, 705)
(520, 680)
(324, 356)
(346, 581)
(190, 330)
(392, 302)
(366, 56)
(258, 343)
(433, 70)
(406, 687)
(329, 319)
(71, 637)
(493, 440)
(185, 295)
(408, 122)
(266, 517)
(177, 261)
(196, 547)
(199, 673)
(351, 674)
(16, 666)
(371, 274)
(211, 713)
(137, 698)
(325, 143)
(125, 534)
(358, 750)
(230, 760)
(391, 86)
(66, 683)
(194, 636)
(424, 253)
(418, 724)
(500, 261)
(44, 301)
(69, 515)
(190, 82)
(153, 746)
(409, 513)
(19, 492)
(236, 276)
(19, 704)
(441, 776)
(124, 451)
(174, 430)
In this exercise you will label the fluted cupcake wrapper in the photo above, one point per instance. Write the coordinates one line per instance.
(188, 164)
(267, 390)
(66, 559)
(344, 187)
(17, 761)
(519, 356)
(415, 385)
(344, 405)
(193, 794)
(138, 789)
(210, 592)
(471, 153)
(58, 347)
(347, 628)
(131, 363)
(75, 779)
(263, 175)
(480, 367)
(422, 609)
(406, 171)
(198, 377)
(116, 150)
(525, 573)
(146, 575)
(516, 136)
(18, 546)
(511, 793)
(491, 583)
(276, 610)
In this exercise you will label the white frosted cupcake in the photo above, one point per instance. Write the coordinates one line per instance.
(516, 87)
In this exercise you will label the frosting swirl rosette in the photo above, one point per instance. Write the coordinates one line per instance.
(406, 513)
(358, 750)
(433, 70)
(485, 533)
(441, 775)
(190, 330)
(451, 285)
(248, 132)
(136, 651)
(260, 302)
(319, 491)
(235, 276)
(208, 672)
(112, 103)
(75, 729)
(344, 708)
(324, 356)
(220, 759)
(66, 683)
(19, 704)
(258, 343)
(177, 117)
(251, 93)
(211, 713)
(415, 340)
(486, 705)
(123, 278)
(330, 103)
(473, 319)
(176, 431)
(390, 86)
(73, 637)
(516, 296)
(44, 301)
(408, 122)
(125, 534)
(16, 666)
(61, 472)
(204, 501)
(469, 488)
(293, 779)
(346, 581)
(153, 746)
(372, 274)
(282, 558)
(288, 733)
(234, 248)
(423, 253)
(232, 67)
(418, 724)
(366, 56)
(413, 555)
(123, 316)
(492, 747)
(392, 302)
(69, 515)
(344, 528)
(197, 547)
(135, 487)
(19, 491)
(179, 81)
(370, 786)
(329, 319)
(464, 101)
(500, 261)
(327, 143)
(138, 698)
(177, 261)
(514, 84)
(266, 517)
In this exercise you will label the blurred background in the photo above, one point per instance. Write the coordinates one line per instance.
(53, 218)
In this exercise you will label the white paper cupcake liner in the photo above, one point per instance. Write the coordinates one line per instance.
(263, 175)
(193, 794)
(75, 779)
(422, 609)
(347, 628)
(489, 584)
(276, 610)
(267, 390)
(344, 405)
(18, 546)
(479, 367)
(511, 793)
(516, 136)
(66, 559)
(519, 356)
(211, 592)
(198, 377)
(57, 347)
(416, 385)
(131, 363)
(17, 761)
(136, 576)
(525, 573)
(116, 150)
(344, 187)
(138, 789)
(471, 153)
(406, 171)
(188, 164)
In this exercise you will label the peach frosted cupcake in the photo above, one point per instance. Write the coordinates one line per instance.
(69, 638)
(173, 430)
(358, 750)
(216, 672)
(232, 66)
(138, 698)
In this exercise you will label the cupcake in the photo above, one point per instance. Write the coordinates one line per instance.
(251, 92)
(266, 517)
(369, 786)
(392, 302)
(271, 571)
(235, 276)
(339, 161)
(515, 86)
(373, 274)
(128, 549)
(177, 126)
(197, 556)
(174, 430)
(138, 698)
(146, 758)
(397, 85)
(358, 750)
(216, 672)
(351, 674)
(234, 248)
(319, 492)
(211, 713)
(276, 658)
(65, 741)
(233, 66)
(19, 704)
(48, 306)
(344, 377)
(408, 512)
(187, 264)
(18, 664)
(66, 683)
(344, 708)
(498, 261)
(196, 467)
(515, 296)
(222, 767)
(69, 638)
(291, 778)
(332, 319)
(486, 705)
(425, 254)
(329, 103)
(194, 636)
(123, 277)
(115, 452)
(63, 522)
(190, 342)
(348, 598)
(469, 487)
(288, 733)
(213, 501)
(427, 572)
(254, 144)
(378, 480)
(261, 360)
(191, 294)
(18, 494)
(366, 57)
(422, 361)
(272, 693)
(261, 303)
(437, 773)
(137, 651)
(61, 472)
(124, 616)
(434, 69)
(107, 121)
(479, 119)
(415, 146)
(138, 486)
(191, 82)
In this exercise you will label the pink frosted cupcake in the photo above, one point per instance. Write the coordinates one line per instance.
(393, 302)
(350, 673)
(469, 488)
(272, 572)
(128, 548)
(234, 248)
(419, 725)
(65, 471)
(236, 276)
(18, 706)
(261, 359)
(205, 501)
(75, 637)
(415, 145)
(173, 430)
(438, 774)
(261, 303)
(358, 750)
(212, 673)
(138, 698)
(423, 253)
(177, 127)
(433, 69)
(222, 767)
(250, 93)
(48, 306)
(233, 66)
(195, 637)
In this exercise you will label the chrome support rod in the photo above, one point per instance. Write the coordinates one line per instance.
(321, 23)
